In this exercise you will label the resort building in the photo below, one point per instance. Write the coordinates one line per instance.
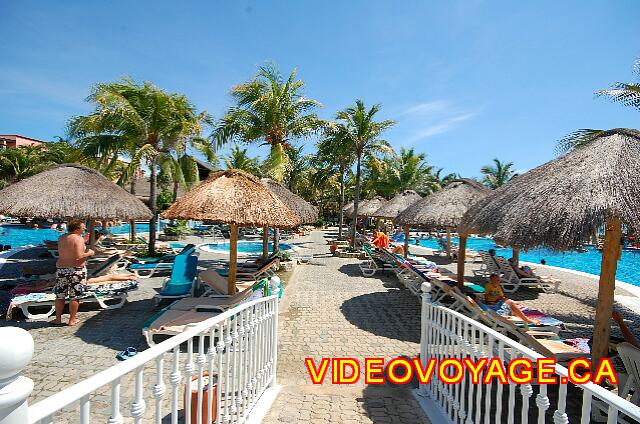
(11, 141)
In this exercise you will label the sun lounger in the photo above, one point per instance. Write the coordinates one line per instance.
(148, 267)
(266, 269)
(178, 316)
(43, 284)
(181, 283)
(511, 281)
(106, 295)
(373, 264)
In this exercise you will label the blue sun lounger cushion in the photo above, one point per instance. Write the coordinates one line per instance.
(185, 268)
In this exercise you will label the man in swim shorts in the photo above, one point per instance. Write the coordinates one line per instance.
(71, 271)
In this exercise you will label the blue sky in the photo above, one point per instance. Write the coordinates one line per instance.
(467, 81)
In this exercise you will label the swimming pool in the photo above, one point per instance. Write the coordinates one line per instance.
(17, 235)
(586, 262)
(244, 247)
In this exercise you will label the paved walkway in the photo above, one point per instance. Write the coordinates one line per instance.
(332, 311)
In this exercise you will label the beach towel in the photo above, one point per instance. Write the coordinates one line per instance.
(542, 317)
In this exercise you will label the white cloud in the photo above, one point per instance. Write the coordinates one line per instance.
(439, 127)
(436, 106)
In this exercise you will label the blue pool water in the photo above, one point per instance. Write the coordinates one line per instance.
(16, 235)
(244, 247)
(628, 266)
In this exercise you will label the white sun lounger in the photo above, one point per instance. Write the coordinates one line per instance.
(511, 281)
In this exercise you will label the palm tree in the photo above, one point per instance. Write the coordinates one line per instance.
(298, 164)
(143, 121)
(407, 171)
(239, 159)
(498, 174)
(621, 92)
(361, 132)
(22, 162)
(270, 110)
(335, 158)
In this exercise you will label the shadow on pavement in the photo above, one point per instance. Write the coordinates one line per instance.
(394, 314)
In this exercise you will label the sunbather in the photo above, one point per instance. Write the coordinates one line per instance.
(495, 300)
(523, 271)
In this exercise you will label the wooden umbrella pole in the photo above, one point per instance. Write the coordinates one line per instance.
(462, 250)
(233, 259)
(516, 257)
(449, 242)
(406, 240)
(610, 256)
(265, 242)
(92, 233)
(377, 224)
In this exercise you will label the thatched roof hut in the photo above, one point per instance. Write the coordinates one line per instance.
(446, 207)
(233, 197)
(70, 191)
(401, 201)
(368, 207)
(305, 210)
(559, 204)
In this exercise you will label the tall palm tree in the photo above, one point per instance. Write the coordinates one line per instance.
(335, 158)
(238, 158)
(621, 92)
(298, 164)
(362, 132)
(498, 174)
(270, 110)
(143, 121)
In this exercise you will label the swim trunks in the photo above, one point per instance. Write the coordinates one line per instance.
(70, 282)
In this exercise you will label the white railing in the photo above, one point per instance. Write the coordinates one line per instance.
(449, 334)
(238, 348)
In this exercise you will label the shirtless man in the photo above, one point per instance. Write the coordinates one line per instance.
(71, 271)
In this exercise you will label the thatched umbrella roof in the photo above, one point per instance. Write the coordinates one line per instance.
(305, 210)
(233, 197)
(446, 207)
(560, 203)
(70, 190)
(399, 203)
(348, 209)
(368, 207)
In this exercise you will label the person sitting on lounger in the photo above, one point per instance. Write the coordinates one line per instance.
(523, 271)
(381, 240)
(495, 300)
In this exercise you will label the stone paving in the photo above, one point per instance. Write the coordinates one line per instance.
(332, 311)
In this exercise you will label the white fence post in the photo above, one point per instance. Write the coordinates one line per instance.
(15, 354)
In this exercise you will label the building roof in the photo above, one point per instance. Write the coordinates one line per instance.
(21, 136)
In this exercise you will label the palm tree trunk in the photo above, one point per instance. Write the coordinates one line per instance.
(276, 240)
(175, 191)
(341, 212)
(153, 206)
(356, 201)
(132, 223)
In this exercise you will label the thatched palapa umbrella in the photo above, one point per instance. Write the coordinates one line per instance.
(237, 198)
(348, 208)
(391, 208)
(558, 204)
(303, 209)
(71, 191)
(445, 208)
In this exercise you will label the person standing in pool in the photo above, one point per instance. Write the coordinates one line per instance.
(71, 271)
